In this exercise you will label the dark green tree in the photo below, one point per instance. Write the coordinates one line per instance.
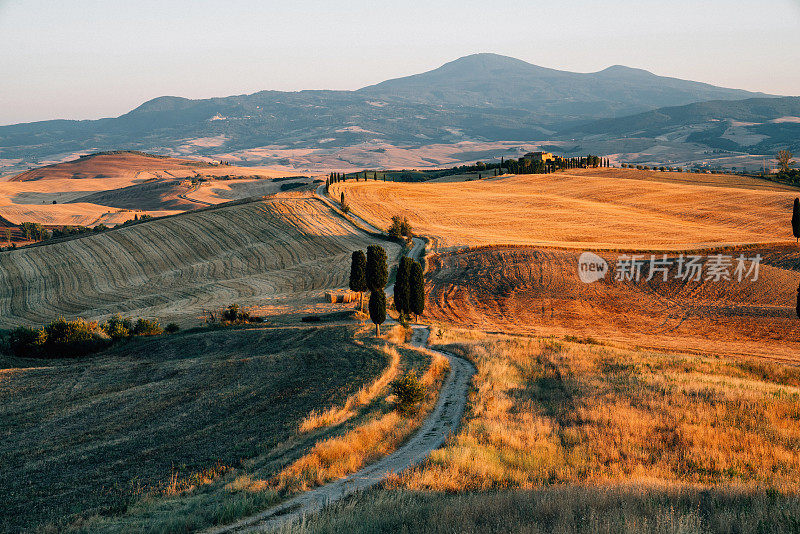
(358, 276)
(417, 293)
(797, 308)
(377, 271)
(796, 219)
(377, 309)
(402, 286)
(342, 201)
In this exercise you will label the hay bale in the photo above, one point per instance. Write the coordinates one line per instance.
(340, 298)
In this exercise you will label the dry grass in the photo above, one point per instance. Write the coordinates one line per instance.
(551, 412)
(148, 434)
(608, 209)
(537, 291)
(283, 253)
(383, 433)
(336, 415)
(565, 510)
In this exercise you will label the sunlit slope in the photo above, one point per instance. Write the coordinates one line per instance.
(617, 209)
(530, 290)
(174, 268)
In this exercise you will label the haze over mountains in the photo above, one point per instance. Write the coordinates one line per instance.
(483, 97)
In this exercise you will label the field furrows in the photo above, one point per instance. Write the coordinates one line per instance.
(176, 267)
(538, 291)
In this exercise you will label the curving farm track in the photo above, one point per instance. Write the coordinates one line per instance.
(443, 421)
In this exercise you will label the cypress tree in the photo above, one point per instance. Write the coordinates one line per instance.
(402, 286)
(377, 271)
(796, 219)
(377, 309)
(797, 309)
(417, 303)
(342, 202)
(358, 276)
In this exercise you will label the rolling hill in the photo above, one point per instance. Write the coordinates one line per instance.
(271, 253)
(754, 125)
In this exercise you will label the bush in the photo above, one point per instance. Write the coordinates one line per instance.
(117, 327)
(24, 342)
(171, 328)
(400, 228)
(147, 327)
(234, 314)
(409, 392)
(59, 339)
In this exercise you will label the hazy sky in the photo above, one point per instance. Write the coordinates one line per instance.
(81, 59)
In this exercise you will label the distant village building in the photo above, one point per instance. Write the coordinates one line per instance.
(542, 157)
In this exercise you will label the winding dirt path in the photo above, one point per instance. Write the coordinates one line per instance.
(440, 424)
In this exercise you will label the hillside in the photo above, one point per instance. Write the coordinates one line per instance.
(111, 188)
(475, 98)
(756, 125)
(129, 430)
(274, 254)
(595, 208)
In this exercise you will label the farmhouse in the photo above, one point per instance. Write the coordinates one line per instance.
(539, 156)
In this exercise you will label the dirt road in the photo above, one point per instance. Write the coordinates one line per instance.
(442, 422)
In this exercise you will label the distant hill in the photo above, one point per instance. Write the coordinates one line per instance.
(755, 125)
(478, 97)
(491, 80)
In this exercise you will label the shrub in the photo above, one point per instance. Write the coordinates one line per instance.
(117, 327)
(59, 339)
(400, 228)
(234, 314)
(24, 342)
(408, 391)
(171, 328)
(147, 327)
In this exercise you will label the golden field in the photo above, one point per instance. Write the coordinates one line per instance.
(110, 188)
(568, 435)
(536, 291)
(585, 208)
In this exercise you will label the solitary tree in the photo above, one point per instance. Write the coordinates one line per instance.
(358, 276)
(417, 297)
(785, 159)
(402, 286)
(342, 202)
(796, 219)
(377, 271)
(377, 309)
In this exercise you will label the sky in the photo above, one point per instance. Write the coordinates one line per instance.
(84, 59)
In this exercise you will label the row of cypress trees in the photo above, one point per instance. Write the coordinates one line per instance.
(409, 288)
(370, 272)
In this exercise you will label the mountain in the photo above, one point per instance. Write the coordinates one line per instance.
(491, 80)
(754, 125)
(478, 97)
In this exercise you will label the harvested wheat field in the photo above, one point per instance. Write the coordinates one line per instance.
(144, 429)
(538, 291)
(283, 252)
(615, 210)
(107, 188)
